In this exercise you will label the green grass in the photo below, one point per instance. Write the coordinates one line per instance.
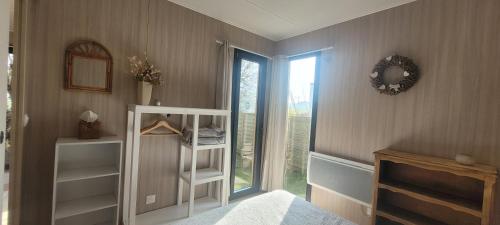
(242, 180)
(295, 183)
(243, 176)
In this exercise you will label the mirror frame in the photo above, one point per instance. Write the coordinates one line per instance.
(92, 50)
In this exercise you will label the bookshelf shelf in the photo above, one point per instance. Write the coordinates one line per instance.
(87, 181)
(413, 189)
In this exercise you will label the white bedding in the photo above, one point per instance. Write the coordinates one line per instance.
(274, 208)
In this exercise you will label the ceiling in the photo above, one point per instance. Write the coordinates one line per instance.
(281, 19)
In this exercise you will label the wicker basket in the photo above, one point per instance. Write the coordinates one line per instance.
(89, 130)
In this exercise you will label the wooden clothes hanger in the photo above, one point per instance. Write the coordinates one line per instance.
(158, 124)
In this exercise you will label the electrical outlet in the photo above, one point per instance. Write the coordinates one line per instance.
(150, 199)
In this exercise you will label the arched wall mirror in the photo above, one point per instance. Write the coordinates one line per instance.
(88, 66)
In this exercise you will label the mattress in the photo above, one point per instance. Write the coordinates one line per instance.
(273, 208)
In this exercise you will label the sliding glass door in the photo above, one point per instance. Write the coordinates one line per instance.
(247, 122)
(301, 121)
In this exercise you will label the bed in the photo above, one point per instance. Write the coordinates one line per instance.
(273, 208)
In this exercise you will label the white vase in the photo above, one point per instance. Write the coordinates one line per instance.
(144, 90)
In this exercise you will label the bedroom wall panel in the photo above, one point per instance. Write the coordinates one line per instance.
(454, 108)
(182, 45)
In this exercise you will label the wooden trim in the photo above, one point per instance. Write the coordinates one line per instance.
(488, 198)
(375, 189)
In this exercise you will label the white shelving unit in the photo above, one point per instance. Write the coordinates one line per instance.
(218, 174)
(87, 181)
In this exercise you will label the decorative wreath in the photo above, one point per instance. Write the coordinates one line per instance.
(410, 75)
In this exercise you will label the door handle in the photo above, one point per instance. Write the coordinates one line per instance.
(1, 137)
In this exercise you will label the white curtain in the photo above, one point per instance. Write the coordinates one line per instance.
(224, 76)
(223, 98)
(273, 168)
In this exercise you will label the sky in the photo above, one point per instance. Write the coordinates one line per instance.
(302, 73)
(249, 81)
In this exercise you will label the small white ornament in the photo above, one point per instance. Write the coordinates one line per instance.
(406, 74)
(395, 87)
(89, 116)
(465, 159)
(388, 58)
(26, 120)
(382, 87)
(373, 75)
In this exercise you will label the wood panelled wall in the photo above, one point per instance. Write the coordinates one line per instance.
(181, 43)
(454, 108)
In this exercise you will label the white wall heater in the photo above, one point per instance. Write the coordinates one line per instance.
(352, 180)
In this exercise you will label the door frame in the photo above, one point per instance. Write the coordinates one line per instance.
(314, 113)
(19, 41)
(262, 61)
(4, 46)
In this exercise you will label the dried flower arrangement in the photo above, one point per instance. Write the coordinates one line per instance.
(145, 71)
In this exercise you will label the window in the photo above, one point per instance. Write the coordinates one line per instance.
(247, 122)
(9, 95)
(8, 148)
(302, 94)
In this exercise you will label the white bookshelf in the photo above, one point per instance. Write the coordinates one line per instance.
(216, 176)
(87, 181)
(203, 176)
(87, 173)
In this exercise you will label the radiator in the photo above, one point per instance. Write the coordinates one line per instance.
(347, 178)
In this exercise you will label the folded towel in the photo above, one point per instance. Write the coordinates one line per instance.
(206, 136)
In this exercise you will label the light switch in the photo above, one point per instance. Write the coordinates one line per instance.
(150, 199)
